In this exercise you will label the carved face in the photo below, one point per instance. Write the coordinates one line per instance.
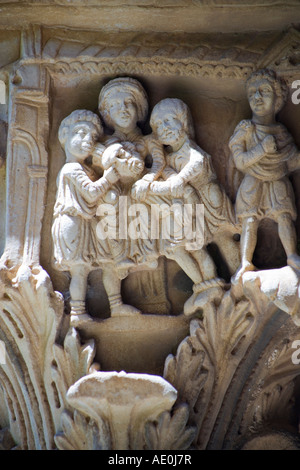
(122, 110)
(81, 139)
(169, 129)
(261, 97)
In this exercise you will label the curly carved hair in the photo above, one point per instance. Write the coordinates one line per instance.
(128, 85)
(178, 109)
(278, 84)
(74, 118)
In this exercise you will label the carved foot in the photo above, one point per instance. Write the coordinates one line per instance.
(78, 313)
(9, 266)
(294, 261)
(124, 310)
(243, 268)
(10, 262)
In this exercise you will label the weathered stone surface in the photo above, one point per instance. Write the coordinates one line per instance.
(126, 401)
(125, 106)
(280, 286)
(117, 351)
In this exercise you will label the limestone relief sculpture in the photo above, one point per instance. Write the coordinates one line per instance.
(123, 103)
(129, 187)
(183, 176)
(189, 175)
(265, 153)
(77, 248)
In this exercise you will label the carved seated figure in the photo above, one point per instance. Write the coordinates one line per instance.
(265, 153)
(76, 246)
(189, 175)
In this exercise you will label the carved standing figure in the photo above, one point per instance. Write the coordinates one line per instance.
(76, 203)
(189, 174)
(123, 103)
(265, 153)
(77, 249)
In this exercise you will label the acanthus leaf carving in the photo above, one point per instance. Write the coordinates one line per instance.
(218, 343)
(80, 433)
(121, 404)
(170, 431)
(37, 372)
(186, 371)
(72, 361)
(30, 316)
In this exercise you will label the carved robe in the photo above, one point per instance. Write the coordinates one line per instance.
(140, 250)
(265, 190)
(195, 168)
(77, 198)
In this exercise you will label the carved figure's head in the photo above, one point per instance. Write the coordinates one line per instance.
(78, 134)
(266, 92)
(128, 163)
(122, 103)
(171, 121)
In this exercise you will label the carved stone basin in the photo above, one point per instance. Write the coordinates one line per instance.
(125, 401)
(135, 344)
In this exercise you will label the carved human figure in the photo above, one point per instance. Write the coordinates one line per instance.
(76, 202)
(76, 246)
(189, 175)
(265, 153)
(123, 104)
(130, 166)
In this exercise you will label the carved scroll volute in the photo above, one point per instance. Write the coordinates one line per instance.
(26, 176)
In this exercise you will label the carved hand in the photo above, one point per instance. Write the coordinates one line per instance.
(110, 154)
(111, 175)
(139, 189)
(132, 164)
(269, 144)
